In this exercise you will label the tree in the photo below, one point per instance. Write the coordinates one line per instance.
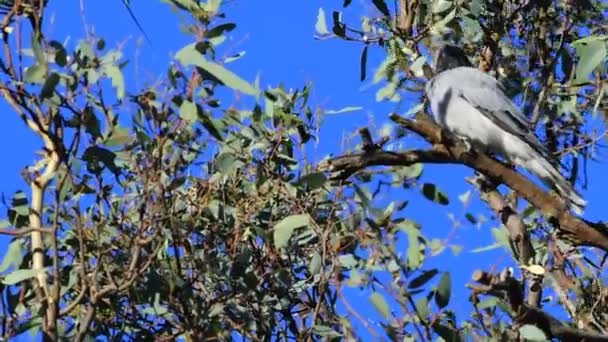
(201, 217)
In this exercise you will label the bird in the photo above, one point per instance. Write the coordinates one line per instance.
(473, 106)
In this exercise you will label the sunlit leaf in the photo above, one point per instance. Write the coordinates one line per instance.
(13, 255)
(591, 52)
(321, 24)
(532, 333)
(343, 110)
(285, 228)
(380, 304)
(21, 275)
(189, 56)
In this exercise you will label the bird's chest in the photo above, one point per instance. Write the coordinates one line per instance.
(461, 118)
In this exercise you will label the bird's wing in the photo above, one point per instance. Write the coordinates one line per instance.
(487, 94)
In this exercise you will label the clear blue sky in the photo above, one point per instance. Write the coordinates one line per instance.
(278, 38)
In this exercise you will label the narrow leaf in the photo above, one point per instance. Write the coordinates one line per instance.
(380, 304)
(382, 7)
(189, 56)
(363, 66)
(321, 24)
(422, 279)
(20, 275)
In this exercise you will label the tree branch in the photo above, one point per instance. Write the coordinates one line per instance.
(579, 231)
(507, 288)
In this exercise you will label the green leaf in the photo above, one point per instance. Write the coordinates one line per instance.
(13, 256)
(325, 331)
(441, 6)
(343, 110)
(591, 52)
(61, 56)
(422, 308)
(219, 30)
(432, 192)
(21, 275)
(380, 304)
(49, 86)
(315, 263)
(35, 74)
(189, 56)
(227, 163)
(501, 236)
(321, 24)
(118, 80)
(347, 261)
(440, 26)
(444, 290)
(313, 180)
(285, 228)
(532, 333)
(422, 278)
(382, 7)
(188, 111)
(363, 65)
(97, 158)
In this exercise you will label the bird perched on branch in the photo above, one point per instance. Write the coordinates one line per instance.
(473, 106)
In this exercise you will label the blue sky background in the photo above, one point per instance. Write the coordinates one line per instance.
(278, 39)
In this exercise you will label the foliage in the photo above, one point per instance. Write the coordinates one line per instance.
(190, 209)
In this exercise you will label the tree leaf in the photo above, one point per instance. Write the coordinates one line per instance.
(422, 278)
(363, 65)
(13, 256)
(338, 28)
(21, 275)
(422, 308)
(313, 180)
(48, 88)
(591, 53)
(285, 228)
(118, 80)
(343, 110)
(219, 30)
(532, 333)
(444, 290)
(61, 56)
(325, 331)
(315, 263)
(321, 24)
(432, 192)
(189, 56)
(382, 7)
(188, 111)
(380, 304)
(441, 6)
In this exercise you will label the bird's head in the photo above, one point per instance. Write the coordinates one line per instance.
(450, 57)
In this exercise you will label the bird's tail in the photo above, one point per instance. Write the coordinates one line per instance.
(550, 175)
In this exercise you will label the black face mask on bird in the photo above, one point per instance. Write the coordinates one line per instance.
(450, 57)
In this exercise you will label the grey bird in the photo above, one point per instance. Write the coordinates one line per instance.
(473, 106)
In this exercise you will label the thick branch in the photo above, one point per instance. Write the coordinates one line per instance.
(507, 288)
(579, 231)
